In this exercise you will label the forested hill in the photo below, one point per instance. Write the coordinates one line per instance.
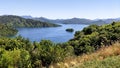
(17, 21)
(7, 31)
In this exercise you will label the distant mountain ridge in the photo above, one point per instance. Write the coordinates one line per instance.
(78, 20)
(27, 17)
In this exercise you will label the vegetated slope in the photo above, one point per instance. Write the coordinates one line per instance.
(105, 57)
(90, 40)
(21, 53)
(109, 62)
(17, 21)
(7, 30)
(93, 37)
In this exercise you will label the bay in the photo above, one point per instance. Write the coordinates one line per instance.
(55, 34)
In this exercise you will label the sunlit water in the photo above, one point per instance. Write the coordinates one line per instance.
(55, 34)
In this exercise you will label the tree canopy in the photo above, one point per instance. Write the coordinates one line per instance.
(93, 37)
(7, 30)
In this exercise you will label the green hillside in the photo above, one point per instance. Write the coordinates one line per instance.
(17, 21)
(94, 37)
(105, 57)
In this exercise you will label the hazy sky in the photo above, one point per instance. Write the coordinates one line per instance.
(54, 9)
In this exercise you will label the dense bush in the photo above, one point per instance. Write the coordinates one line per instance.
(7, 30)
(15, 58)
(21, 53)
(93, 37)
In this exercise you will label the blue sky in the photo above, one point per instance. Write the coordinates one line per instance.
(62, 9)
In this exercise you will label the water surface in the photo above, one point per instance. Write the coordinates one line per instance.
(55, 34)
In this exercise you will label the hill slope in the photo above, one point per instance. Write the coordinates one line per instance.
(17, 21)
(106, 57)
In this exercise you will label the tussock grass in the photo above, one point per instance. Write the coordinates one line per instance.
(103, 57)
(108, 62)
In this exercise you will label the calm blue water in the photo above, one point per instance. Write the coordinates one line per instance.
(55, 34)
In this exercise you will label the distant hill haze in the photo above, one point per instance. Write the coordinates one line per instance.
(76, 20)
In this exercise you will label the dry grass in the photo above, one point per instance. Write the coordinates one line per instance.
(104, 52)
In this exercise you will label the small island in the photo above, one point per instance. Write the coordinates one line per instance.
(69, 29)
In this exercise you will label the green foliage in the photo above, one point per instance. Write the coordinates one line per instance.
(7, 31)
(48, 52)
(15, 58)
(21, 53)
(90, 29)
(94, 37)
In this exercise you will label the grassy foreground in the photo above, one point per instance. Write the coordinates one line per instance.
(106, 57)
